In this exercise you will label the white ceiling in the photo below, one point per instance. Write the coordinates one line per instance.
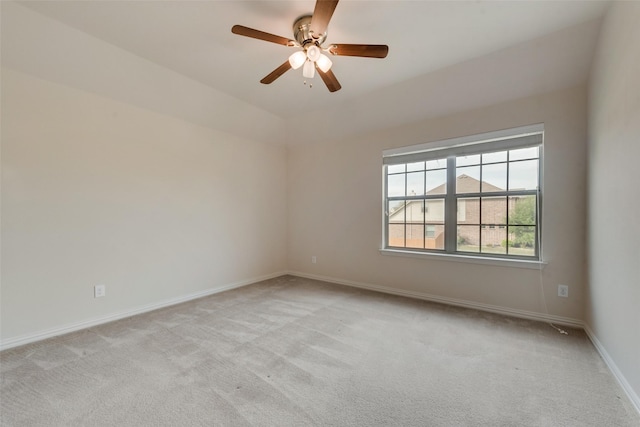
(194, 39)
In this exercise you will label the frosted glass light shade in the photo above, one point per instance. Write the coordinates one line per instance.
(297, 59)
(309, 69)
(324, 63)
(313, 53)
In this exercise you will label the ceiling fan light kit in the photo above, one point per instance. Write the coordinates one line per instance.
(324, 63)
(310, 32)
(309, 70)
(297, 59)
(313, 52)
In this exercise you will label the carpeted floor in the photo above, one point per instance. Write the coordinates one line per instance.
(296, 352)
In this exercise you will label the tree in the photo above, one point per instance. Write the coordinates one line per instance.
(524, 214)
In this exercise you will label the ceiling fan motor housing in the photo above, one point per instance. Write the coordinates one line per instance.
(303, 35)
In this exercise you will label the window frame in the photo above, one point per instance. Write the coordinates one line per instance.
(504, 140)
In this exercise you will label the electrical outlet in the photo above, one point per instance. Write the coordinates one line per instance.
(99, 291)
(563, 291)
(313, 259)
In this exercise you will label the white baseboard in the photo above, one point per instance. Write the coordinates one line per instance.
(631, 393)
(72, 327)
(65, 329)
(531, 315)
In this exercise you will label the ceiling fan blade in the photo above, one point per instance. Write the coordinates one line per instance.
(276, 73)
(321, 16)
(261, 35)
(363, 50)
(329, 79)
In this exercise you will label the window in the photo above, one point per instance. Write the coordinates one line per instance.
(476, 195)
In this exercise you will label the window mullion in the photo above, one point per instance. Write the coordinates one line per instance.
(508, 222)
(450, 208)
(480, 204)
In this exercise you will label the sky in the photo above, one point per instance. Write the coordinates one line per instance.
(522, 172)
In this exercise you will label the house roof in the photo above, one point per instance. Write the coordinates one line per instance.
(465, 184)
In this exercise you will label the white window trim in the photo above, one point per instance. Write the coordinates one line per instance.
(465, 140)
(537, 264)
(436, 256)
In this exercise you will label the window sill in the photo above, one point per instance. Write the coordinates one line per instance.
(501, 262)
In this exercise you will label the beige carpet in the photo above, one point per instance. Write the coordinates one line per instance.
(296, 352)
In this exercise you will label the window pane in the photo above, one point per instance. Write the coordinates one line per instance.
(522, 210)
(414, 236)
(414, 211)
(430, 231)
(494, 210)
(396, 211)
(434, 236)
(419, 166)
(396, 235)
(437, 164)
(500, 156)
(468, 180)
(415, 184)
(436, 182)
(395, 185)
(522, 240)
(469, 210)
(434, 210)
(468, 160)
(395, 168)
(524, 153)
(494, 240)
(523, 175)
(468, 238)
(494, 177)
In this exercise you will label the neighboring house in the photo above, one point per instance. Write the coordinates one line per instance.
(420, 223)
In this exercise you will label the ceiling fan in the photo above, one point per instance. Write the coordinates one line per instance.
(310, 32)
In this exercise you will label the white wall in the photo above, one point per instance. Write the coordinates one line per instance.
(96, 191)
(118, 171)
(335, 210)
(613, 308)
(545, 64)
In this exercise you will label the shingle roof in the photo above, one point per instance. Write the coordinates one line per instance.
(465, 184)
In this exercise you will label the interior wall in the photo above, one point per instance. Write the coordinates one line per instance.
(96, 191)
(542, 65)
(613, 309)
(335, 210)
